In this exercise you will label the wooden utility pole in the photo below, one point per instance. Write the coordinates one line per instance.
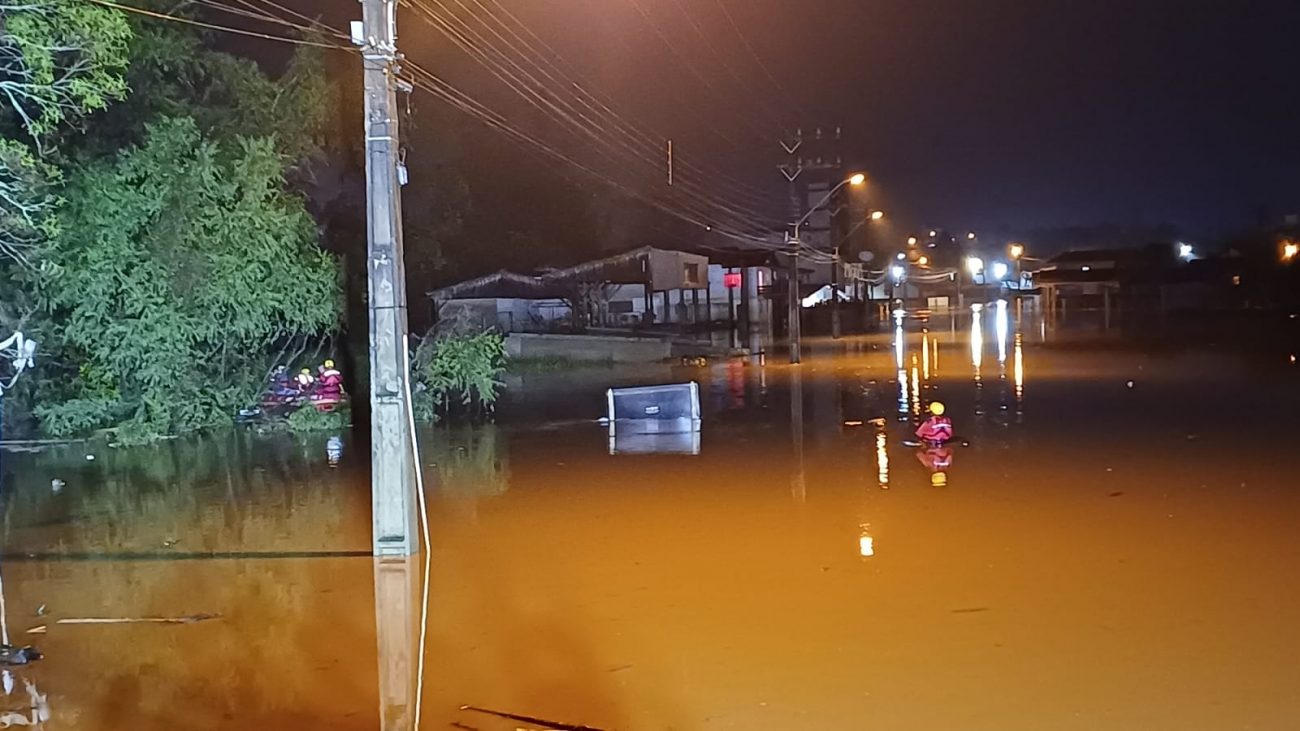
(392, 462)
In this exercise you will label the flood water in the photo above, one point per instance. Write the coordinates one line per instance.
(1115, 547)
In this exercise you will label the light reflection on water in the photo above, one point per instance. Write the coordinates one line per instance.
(657, 591)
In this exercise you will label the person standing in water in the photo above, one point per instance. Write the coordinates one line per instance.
(936, 430)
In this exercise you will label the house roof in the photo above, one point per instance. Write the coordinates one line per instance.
(629, 267)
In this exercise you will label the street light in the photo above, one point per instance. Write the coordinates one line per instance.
(1289, 250)
(923, 261)
(1186, 252)
(911, 241)
(796, 312)
(933, 233)
(1016, 250)
(999, 270)
(974, 265)
(877, 215)
(970, 236)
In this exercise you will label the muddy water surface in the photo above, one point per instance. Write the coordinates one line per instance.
(1115, 548)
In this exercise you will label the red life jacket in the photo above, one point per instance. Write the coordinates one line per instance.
(935, 429)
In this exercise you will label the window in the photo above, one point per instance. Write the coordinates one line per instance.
(691, 273)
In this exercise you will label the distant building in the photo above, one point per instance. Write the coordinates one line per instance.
(636, 289)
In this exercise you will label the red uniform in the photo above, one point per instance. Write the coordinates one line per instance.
(329, 387)
(935, 430)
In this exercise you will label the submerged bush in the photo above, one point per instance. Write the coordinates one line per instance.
(457, 371)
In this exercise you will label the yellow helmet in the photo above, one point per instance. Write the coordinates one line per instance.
(939, 479)
(329, 363)
(936, 408)
(306, 371)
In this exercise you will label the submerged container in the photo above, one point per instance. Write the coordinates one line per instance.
(654, 419)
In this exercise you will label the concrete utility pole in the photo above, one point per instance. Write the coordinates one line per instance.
(835, 294)
(791, 170)
(392, 462)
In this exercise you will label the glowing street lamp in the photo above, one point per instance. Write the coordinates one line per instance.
(901, 256)
(877, 215)
(974, 265)
(999, 270)
(933, 233)
(923, 261)
(1186, 252)
(1016, 250)
(911, 241)
(796, 312)
(1289, 250)
(897, 271)
(970, 236)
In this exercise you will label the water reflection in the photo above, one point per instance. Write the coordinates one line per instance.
(976, 340)
(938, 460)
(882, 456)
(398, 630)
(1018, 373)
(798, 484)
(1000, 326)
(549, 603)
(866, 544)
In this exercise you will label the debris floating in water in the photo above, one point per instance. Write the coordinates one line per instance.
(10, 655)
(187, 619)
(554, 725)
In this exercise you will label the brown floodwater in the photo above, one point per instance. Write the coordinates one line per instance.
(1111, 544)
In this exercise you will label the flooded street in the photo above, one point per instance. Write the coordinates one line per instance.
(1111, 543)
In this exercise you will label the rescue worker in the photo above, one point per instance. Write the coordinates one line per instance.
(936, 430)
(305, 381)
(329, 387)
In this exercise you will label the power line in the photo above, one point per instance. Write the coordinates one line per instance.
(546, 102)
(541, 96)
(254, 13)
(674, 89)
(214, 26)
(434, 84)
(427, 81)
(731, 19)
(742, 189)
(763, 103)
(686, 63)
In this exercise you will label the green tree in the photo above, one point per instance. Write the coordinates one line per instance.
(59, 60)
(181, 264)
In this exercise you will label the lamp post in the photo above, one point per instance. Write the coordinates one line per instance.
(1017, 253)
(796, 308)
(974, 265)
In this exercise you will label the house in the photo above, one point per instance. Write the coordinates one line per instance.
(636, 289)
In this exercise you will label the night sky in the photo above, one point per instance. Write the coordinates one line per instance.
(994, 116)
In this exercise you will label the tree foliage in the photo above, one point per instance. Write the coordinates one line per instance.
(181, 263)
(60, 59)
(457, 370)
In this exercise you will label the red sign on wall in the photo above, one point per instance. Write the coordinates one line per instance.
(731, 280)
